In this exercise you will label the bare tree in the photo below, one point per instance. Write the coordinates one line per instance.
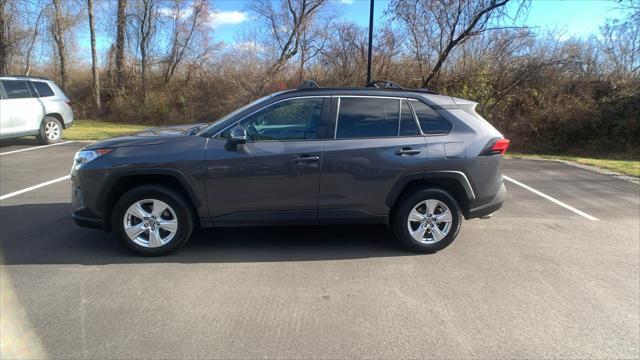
(34, 37)
(439, 26)
(146, 20)
(621, 41)
(185, 25)
(315, 38)
(345, 55)
(57, 30)
(387, 46)
(94, 57)
(287, 23)
(4, 38)
(121, 29)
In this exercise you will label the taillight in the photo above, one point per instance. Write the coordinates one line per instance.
(501, 146)
(69, 103)
(495, 147)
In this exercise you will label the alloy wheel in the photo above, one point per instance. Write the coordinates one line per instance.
(52, 130)
(150, 223)
(429, 221)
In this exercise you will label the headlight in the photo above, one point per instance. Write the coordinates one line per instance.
(84, 156)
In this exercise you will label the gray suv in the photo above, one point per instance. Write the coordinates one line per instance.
(412, 159)
(33, 106)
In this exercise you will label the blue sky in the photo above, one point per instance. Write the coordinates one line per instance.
(575, 17)
(579, 18)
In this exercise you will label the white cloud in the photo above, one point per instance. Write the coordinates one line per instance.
(247, 46)
(185, 13)
(346, 2)
(217, 18)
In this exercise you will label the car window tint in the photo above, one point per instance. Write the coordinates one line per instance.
(408, 126)
(367, 117)
(430, 121)
(16, 89)
(296, 119)
(42, 88)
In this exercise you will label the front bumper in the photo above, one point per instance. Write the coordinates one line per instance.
(492, 206)
(80, 214)
(87, 221)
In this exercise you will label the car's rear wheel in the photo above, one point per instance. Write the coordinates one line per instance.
(50, 131)
(427, 220)
(152, 220)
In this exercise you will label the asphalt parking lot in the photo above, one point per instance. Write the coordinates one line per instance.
(538, 280)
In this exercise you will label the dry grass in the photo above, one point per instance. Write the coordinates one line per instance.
(624, 166)
(98, 130)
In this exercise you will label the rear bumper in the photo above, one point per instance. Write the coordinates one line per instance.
(492, 206)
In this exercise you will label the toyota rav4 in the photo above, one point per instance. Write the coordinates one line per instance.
(409, 158)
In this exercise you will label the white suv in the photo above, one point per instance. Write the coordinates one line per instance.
(33, 106)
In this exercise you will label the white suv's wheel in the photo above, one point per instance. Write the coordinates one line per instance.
(50, 130)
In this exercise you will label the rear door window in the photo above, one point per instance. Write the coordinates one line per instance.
(367, 118)
(42, 88)
(16, 89)
(430, 121)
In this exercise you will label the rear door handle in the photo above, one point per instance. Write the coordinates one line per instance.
(305, 158)
(407, 151)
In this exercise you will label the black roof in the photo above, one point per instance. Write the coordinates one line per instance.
(363, 91)
(385, 85)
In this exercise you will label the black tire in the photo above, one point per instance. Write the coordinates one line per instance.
(180, 206)
(405, 206)
(42, 135)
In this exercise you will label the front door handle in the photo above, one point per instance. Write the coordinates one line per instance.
(407, 151)
(305, 158)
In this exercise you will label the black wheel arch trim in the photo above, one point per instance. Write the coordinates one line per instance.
(113, 179)
(458, 176)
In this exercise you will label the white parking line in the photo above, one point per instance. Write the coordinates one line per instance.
(34, 148)
(553, 200)
(34, 187)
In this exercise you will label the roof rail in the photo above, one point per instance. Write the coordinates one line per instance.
(309, 84)
(373, 85)
(25, 76)
(426, 90)
(384, 84)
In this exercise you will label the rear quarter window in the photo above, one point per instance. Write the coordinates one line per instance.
(16, 89)
(430, 121)
(43, 89)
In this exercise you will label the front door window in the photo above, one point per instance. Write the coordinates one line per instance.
(295, 119)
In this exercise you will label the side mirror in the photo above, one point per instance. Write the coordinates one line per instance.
(237, 135)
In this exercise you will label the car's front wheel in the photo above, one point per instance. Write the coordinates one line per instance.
(152, 220)
(427, 220)
(50, 131)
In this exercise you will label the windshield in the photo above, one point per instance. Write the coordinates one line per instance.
(235, 112)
